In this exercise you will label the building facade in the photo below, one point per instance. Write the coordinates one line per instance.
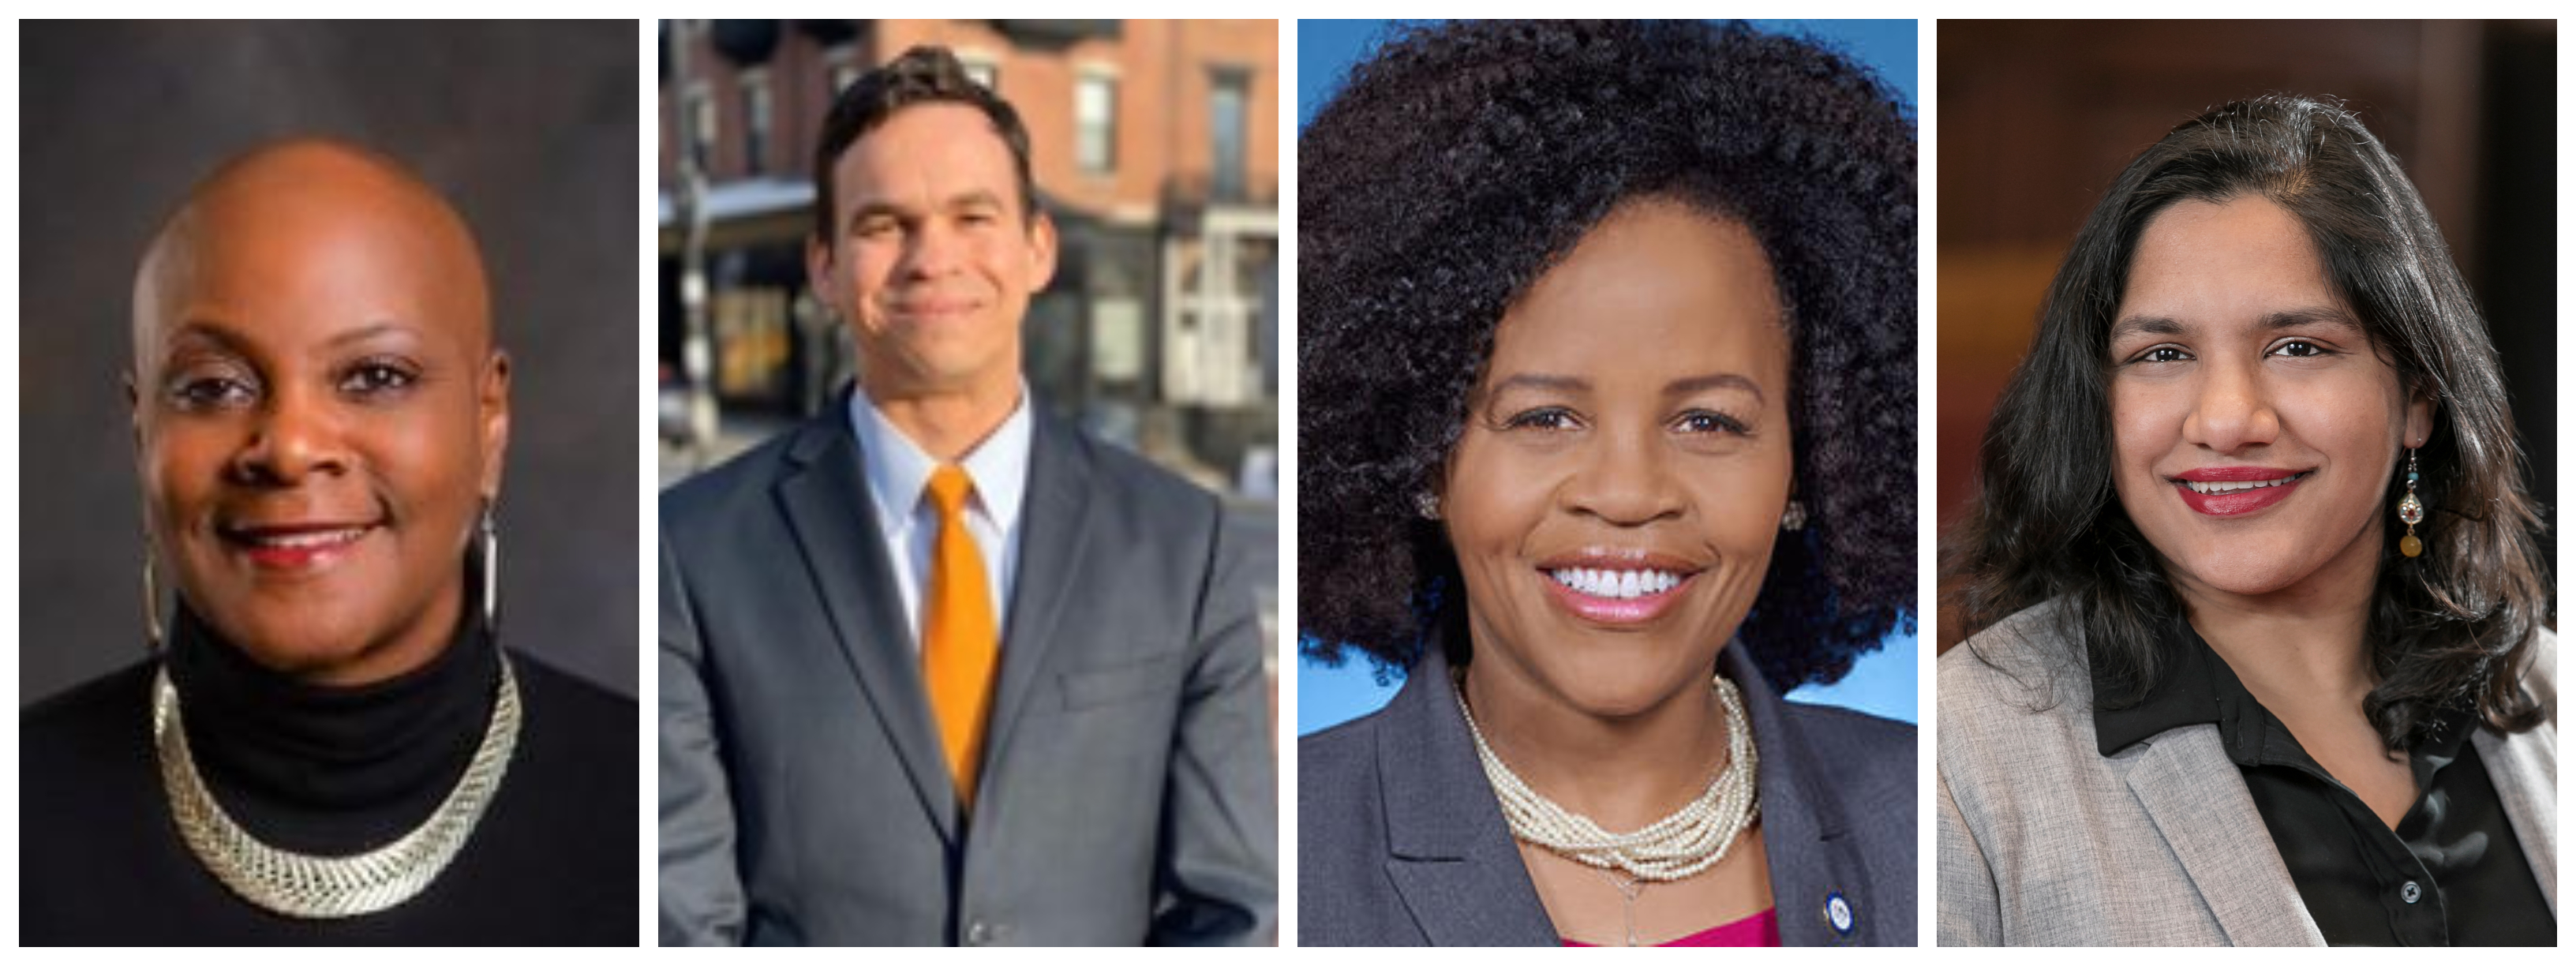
(1154, 145)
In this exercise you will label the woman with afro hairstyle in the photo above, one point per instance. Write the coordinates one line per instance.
(1606, 403)
(2260, 653)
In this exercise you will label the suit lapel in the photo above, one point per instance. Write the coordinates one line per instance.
(1812, 860)
(2524, 768)
(1450, 855)
(2198, 802)
(824, 495)
(1055, 526)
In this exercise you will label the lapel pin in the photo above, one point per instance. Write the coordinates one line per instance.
(1838, 914)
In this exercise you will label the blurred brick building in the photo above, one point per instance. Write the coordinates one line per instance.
(1155, 148)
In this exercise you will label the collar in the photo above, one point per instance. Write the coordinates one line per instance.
(2197, 687)
(897, 469)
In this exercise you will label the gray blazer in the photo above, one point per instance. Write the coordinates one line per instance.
(1400, 841)
(1126, 790)
(2043, 841)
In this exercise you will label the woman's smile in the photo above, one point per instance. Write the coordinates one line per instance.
(296, 548)
(2234, 491)
(1617, 587)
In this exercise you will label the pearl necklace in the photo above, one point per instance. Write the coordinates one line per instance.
(1678, 846)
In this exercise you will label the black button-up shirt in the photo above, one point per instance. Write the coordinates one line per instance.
(2451, 873)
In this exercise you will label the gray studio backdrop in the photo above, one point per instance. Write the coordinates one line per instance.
(528, 128)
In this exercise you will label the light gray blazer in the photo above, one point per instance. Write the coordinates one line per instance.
(1126, 793)
(2043, 841)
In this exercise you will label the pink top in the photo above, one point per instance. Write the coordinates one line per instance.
(1759, 929)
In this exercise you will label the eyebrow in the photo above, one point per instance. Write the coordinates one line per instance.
(2271, 322)
(1683, 386)
(233, 339)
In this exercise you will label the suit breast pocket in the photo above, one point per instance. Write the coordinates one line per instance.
(1091, 687)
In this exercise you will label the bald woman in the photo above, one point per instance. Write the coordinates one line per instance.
(328, 743)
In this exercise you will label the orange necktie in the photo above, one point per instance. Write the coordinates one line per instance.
(960, 645)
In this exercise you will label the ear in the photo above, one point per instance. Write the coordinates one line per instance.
(818, 274)
(1041, 252)
(492, 408)
(2419, 419)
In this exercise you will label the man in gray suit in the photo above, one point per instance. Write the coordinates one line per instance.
(936, 668)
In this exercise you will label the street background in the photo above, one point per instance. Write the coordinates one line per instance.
(1154, 144)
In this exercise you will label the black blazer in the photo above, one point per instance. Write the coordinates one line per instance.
(1400, 841)
(1126, 791)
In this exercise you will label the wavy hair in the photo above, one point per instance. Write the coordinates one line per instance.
(2449, 628)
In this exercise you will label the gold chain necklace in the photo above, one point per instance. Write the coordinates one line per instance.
(328, 887)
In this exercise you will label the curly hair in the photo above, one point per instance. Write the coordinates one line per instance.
(1460, 163)
(2447, 629)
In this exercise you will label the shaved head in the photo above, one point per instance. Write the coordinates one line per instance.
(320, 414)
(327, 218)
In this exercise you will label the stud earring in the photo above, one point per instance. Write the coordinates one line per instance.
(2410, 510)
(1794, 518)
(1426, 505)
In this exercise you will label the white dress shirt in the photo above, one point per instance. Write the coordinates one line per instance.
(898, 474)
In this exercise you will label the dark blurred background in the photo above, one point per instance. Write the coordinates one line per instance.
(2037, 118)
(528, 128)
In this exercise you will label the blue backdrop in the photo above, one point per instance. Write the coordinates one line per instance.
(1883, 682)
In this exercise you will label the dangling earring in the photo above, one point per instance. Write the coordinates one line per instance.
(2410, 510)
(491, 567)
(151, 602)
(1794, 518)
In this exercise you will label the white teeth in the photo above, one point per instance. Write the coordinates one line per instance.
(310, 539)
(1616, 584)
(2235, 485)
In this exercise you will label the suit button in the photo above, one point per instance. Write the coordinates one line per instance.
(980, 933)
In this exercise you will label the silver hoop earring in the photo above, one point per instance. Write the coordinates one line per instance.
(491, 568)
(151, 602)
(1794, 518)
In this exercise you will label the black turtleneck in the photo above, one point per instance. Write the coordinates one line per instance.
(329, 771)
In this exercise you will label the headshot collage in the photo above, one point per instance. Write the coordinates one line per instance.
(1922, 483)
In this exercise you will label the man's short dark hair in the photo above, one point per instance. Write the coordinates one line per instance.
(923, 75)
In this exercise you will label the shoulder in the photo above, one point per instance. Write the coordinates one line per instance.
(572, 709)
(716, 497)
(2540, 672)
(1327, 758)
(70, 727)
(2032, 654)
(1868, 758)
(1122, 478)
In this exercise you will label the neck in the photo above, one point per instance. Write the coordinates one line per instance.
(947, 423)
(2300, 645)
(1624, 772)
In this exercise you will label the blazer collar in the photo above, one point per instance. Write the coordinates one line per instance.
(1450, 854)
(1804, 827)
(1055, 533)
(2196, 797)
(1454, 863)
(822, 490)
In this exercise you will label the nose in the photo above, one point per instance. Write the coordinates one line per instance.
(932, 251)
(2233, 410)
(1627, 482)
(293, 436)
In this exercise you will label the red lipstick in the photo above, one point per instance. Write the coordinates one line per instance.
(296, 547)
(2238, 490)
